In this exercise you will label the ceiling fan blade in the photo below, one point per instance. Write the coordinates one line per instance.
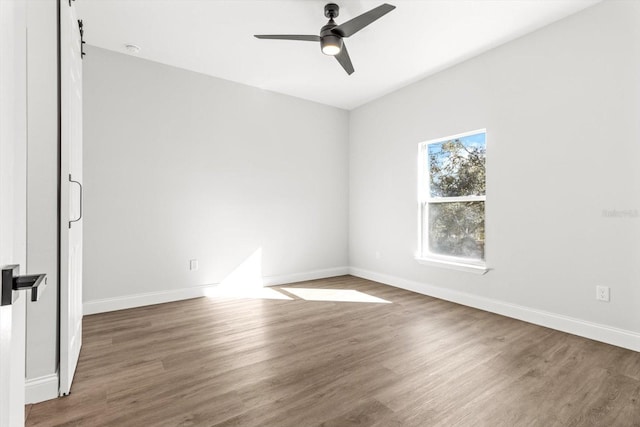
(344, 59)
(354, 25)
(289, 37)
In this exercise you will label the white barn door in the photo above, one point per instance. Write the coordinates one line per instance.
(70, 195)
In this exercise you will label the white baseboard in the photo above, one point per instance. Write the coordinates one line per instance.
(610, 335)
(595, 331)
(140, 300)
(150, 298)
(39, 389)
(302, 277)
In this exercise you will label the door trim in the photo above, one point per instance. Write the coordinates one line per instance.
(59, 186)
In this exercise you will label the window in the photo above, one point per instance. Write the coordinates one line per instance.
(452, 198)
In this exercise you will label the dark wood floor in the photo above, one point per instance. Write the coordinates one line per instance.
(417, 361)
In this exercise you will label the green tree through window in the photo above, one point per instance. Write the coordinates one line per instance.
(453, 196)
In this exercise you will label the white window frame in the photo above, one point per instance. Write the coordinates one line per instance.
(424, 256)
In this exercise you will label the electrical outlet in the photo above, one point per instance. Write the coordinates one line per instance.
(378, 255)
(602, 293)
(193, 264)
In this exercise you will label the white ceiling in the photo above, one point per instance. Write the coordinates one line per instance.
(215, 37)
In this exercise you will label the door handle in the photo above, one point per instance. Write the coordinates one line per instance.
(81, 191)
(12, 281)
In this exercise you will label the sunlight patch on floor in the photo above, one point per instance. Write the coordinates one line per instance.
(246, 282)
(338, 295)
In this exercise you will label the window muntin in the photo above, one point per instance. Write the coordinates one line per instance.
(452, 198)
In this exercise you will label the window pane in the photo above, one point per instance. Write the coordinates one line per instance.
(457, 166)
(455, 229)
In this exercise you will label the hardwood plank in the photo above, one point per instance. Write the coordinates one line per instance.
(416, 361)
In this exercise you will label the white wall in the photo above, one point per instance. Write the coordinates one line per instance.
(179, 165)
(562, 111)
(42, 192)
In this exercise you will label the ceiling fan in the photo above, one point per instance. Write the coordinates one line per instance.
(331, 35)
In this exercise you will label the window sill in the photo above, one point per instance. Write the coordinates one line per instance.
(452, 265)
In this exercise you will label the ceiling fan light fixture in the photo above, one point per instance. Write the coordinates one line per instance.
(331, 45)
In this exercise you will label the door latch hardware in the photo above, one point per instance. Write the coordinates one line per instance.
(12, 281)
